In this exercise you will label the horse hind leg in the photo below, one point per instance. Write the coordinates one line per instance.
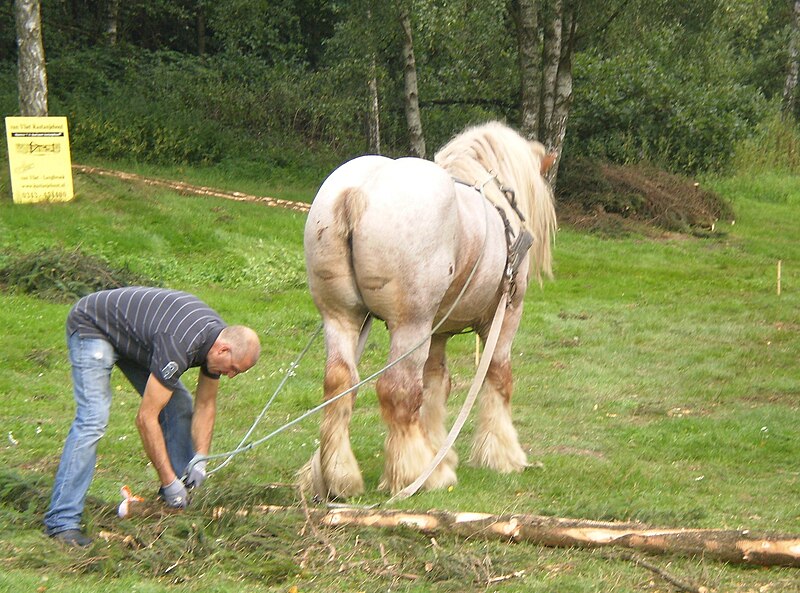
(496, 445)
(333, 471)
(408, 447)
(436, 386)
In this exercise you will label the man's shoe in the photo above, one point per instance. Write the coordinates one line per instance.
(72, 537)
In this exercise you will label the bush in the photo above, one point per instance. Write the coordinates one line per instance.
(115, 111)
(774, 146)
(632, 108)
(170, 108)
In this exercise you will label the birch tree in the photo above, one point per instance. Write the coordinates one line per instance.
(789, 102)
(112, 22)
(530, 66)
(411, 97)
(374, 108)
(374, 122)
(546, 40)
(555, 128)
(31, 73)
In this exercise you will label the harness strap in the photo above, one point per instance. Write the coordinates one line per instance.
(517, 251)
(511, 196)
(517, 246)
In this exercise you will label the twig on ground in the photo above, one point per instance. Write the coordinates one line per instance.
(671, 579)
(312, 524)
(506, 577)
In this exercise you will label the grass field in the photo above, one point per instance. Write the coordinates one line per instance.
(655, 380)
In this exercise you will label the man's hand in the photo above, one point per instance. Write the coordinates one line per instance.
(195, 472)
(174, 495)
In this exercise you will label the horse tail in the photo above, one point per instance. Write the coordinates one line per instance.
(348, 210)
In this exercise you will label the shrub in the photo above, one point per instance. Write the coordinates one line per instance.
(631, 108)
(773, 146)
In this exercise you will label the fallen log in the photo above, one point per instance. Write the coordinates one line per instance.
(734, 546)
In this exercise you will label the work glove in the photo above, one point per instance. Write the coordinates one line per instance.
(174, 495)
(195, 473)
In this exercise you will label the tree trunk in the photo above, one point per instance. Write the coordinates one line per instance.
(530, 63)
(374, 123)
(413, 118)
(551, 59)
(201, 30)
(557, 130)
(727, 545)
(31, 74)
(374, 109)
(112, 22)
(546, 46)
(789, 102)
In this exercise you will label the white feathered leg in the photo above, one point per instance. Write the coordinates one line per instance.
(436, 391)
(496, 445)
(335, 472)
(408, 448)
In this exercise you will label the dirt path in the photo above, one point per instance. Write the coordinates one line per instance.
(198, 190)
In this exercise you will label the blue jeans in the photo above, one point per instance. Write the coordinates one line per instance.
(92, 362)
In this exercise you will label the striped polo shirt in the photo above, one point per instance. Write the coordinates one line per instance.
(164, 331)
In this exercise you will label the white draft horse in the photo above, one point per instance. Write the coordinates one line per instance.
(396, 240)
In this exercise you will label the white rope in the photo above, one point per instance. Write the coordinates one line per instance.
(289, 373)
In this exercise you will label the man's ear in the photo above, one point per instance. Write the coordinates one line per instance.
(219, 348)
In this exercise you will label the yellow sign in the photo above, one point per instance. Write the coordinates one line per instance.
(38, 156)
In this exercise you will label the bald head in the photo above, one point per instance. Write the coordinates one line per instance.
(236, 350)
(243, 342)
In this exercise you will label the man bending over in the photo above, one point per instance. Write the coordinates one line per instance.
(153, 335)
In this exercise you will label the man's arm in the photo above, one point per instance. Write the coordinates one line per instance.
(154, 398)
(205, 412)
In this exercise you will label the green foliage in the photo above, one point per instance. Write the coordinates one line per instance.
(260, 28)
(634, 106)
(467, 65)
(284, 84)
(169, 108)
(773, 147)
(132, 109)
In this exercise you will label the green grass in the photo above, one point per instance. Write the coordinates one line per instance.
(654, 380)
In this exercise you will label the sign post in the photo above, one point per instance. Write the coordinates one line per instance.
(39, 159)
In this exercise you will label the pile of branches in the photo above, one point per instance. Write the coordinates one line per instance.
(62, 275)
(612, 198)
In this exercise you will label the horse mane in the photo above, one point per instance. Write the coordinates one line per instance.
(494, 149)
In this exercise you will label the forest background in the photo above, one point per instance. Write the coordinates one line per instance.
(295, 87)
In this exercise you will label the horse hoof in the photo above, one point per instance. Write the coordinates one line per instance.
(442, 477)
(500, 455)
